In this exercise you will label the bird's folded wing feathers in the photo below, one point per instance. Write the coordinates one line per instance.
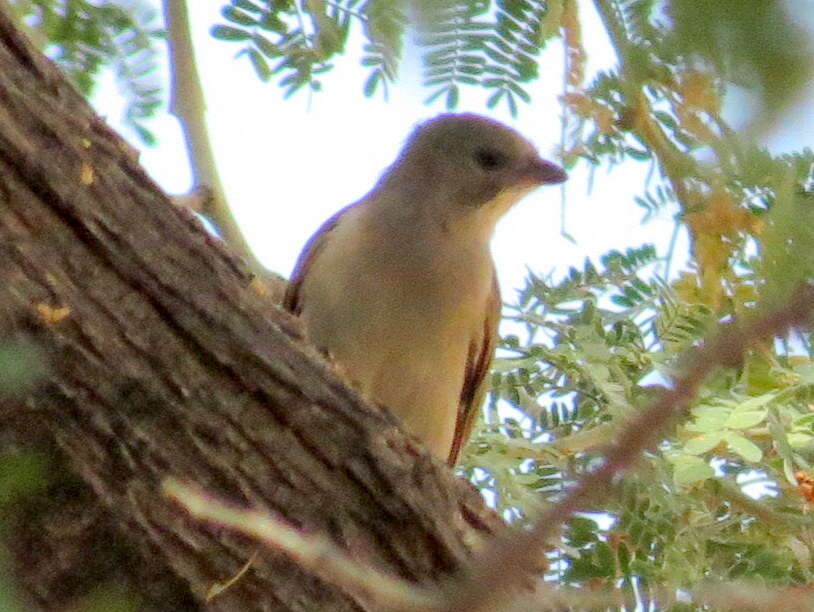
(292, 301)
(478, 362)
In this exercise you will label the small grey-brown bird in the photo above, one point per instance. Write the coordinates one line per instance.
(400, 287)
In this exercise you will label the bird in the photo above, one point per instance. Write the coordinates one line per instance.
(399, 288)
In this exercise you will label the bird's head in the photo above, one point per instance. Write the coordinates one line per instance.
(472, 162)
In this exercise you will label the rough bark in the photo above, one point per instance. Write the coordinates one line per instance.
(162, 360)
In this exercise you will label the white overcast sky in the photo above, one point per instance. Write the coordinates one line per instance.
(289, 164)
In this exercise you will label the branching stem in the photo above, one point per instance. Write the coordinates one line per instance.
(187, 103)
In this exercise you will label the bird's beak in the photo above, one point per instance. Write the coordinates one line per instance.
(543, 172)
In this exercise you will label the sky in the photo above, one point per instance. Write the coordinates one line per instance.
(287, 165)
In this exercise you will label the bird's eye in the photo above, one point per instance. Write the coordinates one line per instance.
(489, 159)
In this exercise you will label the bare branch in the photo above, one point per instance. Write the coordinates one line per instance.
(743, 596)
(314, 552)
(187, 103)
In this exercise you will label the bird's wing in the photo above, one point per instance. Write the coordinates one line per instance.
(481, 351)
(292, 300)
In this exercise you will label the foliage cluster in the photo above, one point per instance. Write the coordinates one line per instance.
(590, 350)
(598, 344)
(493, 45)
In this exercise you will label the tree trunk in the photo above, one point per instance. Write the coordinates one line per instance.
(160, 359)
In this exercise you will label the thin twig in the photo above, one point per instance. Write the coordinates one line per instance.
(745, 596)
(187, 103)
(361, 17)
(385, 593)
(672, 162)
(313, 552)
(221, 587)
(382, 592)
(510, 561)
(780, 520)
(566, 63)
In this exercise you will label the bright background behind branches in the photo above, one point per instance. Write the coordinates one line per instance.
(288, 165)
(690, 116)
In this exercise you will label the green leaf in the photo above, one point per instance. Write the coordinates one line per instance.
(248, 5)
(146, 136)
(512, 104)
(745, 419)
(806, 373)
(709, 418)
(799, 439)
(371, 83)
(495, 98)
(229, 33)
(266, 47)
(689, 470)
(237, 16)
(272, 23)
(743, 447)
(638, 154)
(703, 443)
(753, 403)
(260, 65)
(452, 97)
(582, 530)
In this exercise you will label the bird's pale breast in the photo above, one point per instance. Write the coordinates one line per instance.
(399, 324)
